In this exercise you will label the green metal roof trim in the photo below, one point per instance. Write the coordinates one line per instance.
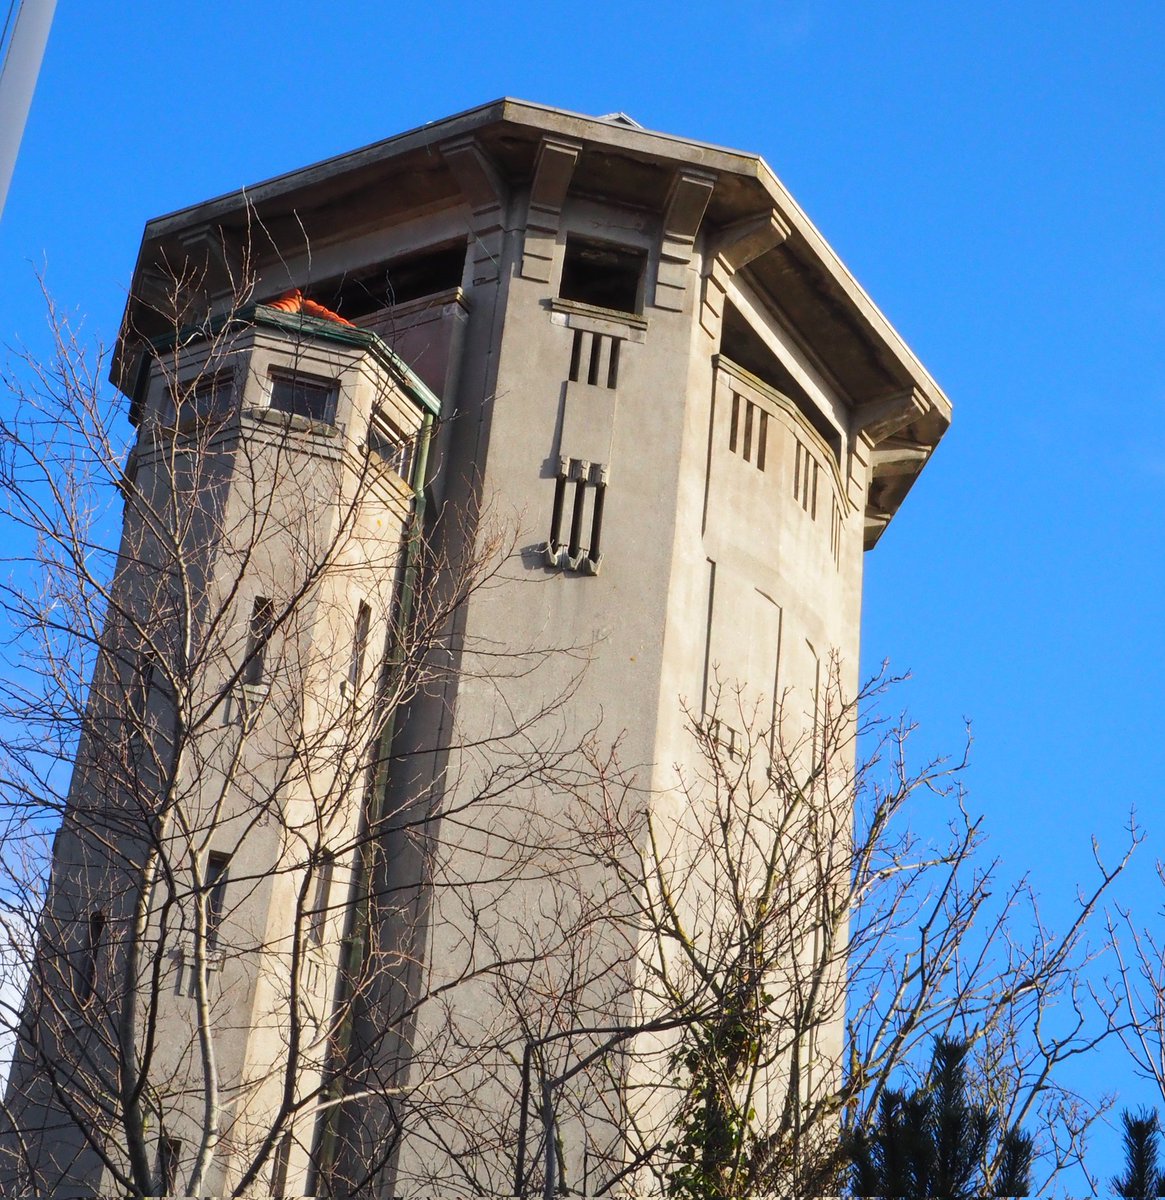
(344, 335)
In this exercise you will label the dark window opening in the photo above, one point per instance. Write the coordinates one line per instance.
(740, 342)
(391, 446)
(215, 887)
(96, 935)
(359, 647)
(603, 274)
(303, 396)
(210, 397)
(169, 1156)
(360, 293)
(262, 625)
(319, 909)
(279, 1167)
(143, 684)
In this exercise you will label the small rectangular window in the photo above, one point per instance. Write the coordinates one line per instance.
(213, 395)
(604, 274)
(392, 447)
(215, 885)
(359, 647)
(279, 1167)
(303, 396)
(140, 688)
(262, 624)
(169, 1157)
(96, 935)
(319, 908)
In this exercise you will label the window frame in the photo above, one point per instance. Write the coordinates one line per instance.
(214, 882)
(260, 627)
(327, 386)
(574, 290)
(390, 446)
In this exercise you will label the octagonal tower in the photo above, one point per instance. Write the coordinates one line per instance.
(672, 423)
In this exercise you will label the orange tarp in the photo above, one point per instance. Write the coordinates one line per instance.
(296, 302)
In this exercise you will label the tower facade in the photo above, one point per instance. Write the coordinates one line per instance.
(666, 424)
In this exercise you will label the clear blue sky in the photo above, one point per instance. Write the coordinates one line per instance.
(993, 174)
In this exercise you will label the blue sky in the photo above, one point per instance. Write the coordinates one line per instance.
(992, 173)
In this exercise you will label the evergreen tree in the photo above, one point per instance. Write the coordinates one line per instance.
(934, 1143)
(1142, 1178)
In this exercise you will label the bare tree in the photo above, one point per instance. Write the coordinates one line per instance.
(228, 735)
(196, 735)
(796, 950)
(1134, 995)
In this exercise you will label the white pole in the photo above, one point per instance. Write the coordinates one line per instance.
(18, 73)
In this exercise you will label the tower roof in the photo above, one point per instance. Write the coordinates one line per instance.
(801, 277)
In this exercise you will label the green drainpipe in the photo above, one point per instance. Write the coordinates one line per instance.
(356, 933)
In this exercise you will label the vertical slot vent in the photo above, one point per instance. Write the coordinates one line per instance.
(556, 514)
(576, 520)
(613, 367)
(594, 358)
(573, 552)
(595, 548)
(806, 479)
(748, 431)
(576, 352)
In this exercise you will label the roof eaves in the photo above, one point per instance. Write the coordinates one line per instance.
(344, 335)
(322, 328)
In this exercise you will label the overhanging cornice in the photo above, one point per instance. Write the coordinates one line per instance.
(737, 200)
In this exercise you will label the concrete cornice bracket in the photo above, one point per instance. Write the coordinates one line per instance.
(686, 204)
(883, 418)
(153, 288)
(738, 244)
(486, 194)
(210, 248)
(552, 173)
(479, 180)
(557, 159)
(876, 522)
(734, 247)
(901, 458)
